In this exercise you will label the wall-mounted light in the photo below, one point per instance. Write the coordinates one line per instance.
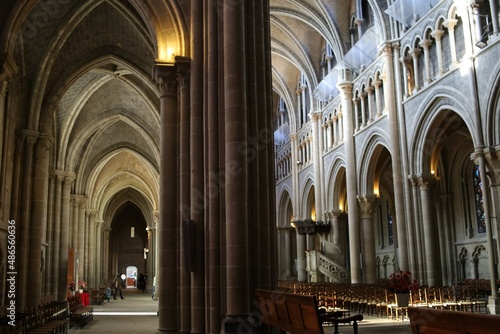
(483, 42)
(132, 232)
(299, 162)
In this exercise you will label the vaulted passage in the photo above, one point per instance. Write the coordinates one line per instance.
(224, 146)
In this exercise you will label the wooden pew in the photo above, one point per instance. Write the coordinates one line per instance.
(425, 320)
(98, 295)
(79, 314)
(47, 318)
(298, 314)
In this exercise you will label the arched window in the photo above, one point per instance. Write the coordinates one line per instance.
(389, 224)
(367, 14)
(478, 199)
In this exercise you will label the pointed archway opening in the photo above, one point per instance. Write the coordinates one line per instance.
(131, 280)
(128, 241)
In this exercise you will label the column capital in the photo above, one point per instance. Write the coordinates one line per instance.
(62, 174)
(425, 44)
(346, 89)
(415, 52)
(437, 34)
(450, 24)
(69, 179)
(43, 144)
(367, 204)
(386, 48)
(26, 135)
(82, 203)
(492, 157)
(315, 115)
(165, 75)
(333, 214)
(91, 213)
(183, 66)
(425, 180)
(156, 218)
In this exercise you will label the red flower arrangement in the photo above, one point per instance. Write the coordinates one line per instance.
(81, 285)
(402, 282)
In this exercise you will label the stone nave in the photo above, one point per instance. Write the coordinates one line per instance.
(194, 140)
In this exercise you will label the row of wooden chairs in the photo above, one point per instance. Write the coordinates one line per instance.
(376, 299)
(47, 317)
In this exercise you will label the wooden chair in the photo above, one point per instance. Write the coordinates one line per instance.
(426, 320)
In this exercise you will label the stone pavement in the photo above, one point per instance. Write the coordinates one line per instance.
(137, 314)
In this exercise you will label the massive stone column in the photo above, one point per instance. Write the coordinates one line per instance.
(318, 173)
(345, 87)
(232, 182)
(248, 159)
(191, 293)
(73, 227)
(367, 205)
(82, 237)
(99, 253)
(64, 238)
(396, 161)
(336, 229)
(92, 253)
(480, 159)
(420, 264)
(301, 258)
(492, 157)
(287, 250)
(106, 259)
(236, 186)
(73, 242)
(56, 235)
(429, 231)
(154, 238)
(49, 236)
(38, 218)
(25, 147)
(167, 227)
(214, 134)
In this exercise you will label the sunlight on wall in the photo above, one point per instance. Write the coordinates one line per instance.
(166, 54)
(376, 190)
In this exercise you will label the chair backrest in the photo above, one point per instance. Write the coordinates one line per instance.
(432, 321)
(289, 312)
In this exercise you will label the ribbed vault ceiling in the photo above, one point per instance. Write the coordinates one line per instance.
(92, 61)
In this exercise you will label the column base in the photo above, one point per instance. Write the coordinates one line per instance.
(493, 305)
(243, 323)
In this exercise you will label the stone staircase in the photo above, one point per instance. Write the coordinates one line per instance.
(332, 270)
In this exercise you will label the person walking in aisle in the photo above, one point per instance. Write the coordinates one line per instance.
(117, 282)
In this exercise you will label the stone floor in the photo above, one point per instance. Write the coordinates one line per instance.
(137, 314)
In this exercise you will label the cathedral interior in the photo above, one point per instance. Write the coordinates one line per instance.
(222, 146)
